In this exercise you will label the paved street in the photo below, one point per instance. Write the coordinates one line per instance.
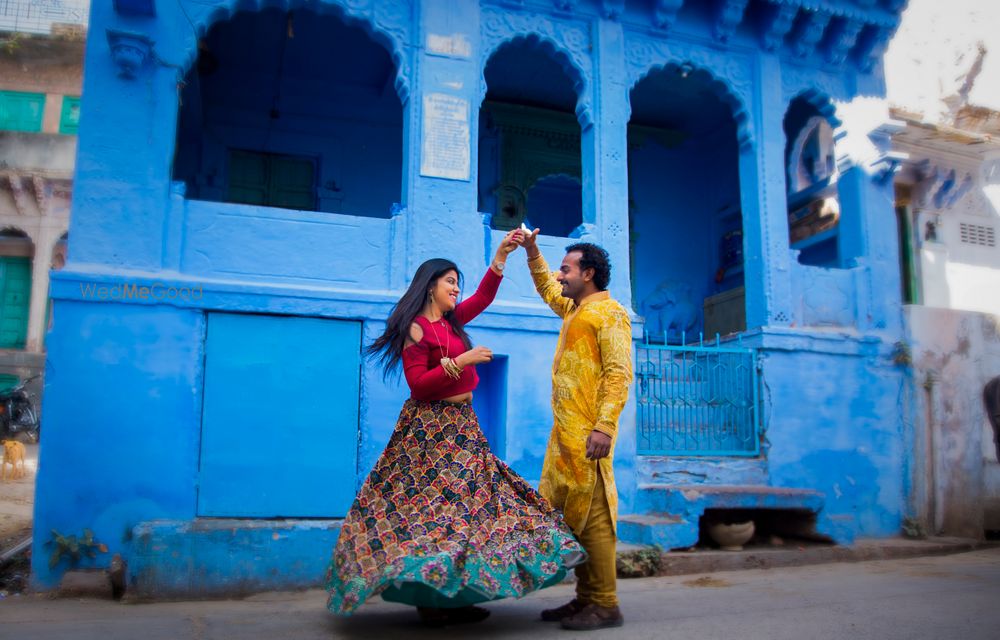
(938, 598)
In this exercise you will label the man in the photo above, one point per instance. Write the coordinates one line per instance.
(591, 374)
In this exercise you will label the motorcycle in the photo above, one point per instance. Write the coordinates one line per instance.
(18, 414)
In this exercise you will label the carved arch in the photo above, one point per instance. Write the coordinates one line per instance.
(387, 29)
(820, 101)
(719, 88)
(551, 49)
(568, 44)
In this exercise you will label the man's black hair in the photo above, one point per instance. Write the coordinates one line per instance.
(596, 258)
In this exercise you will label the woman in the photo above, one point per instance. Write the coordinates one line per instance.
(440, 522)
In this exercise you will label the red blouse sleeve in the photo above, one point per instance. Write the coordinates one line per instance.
(478, 301)
(420, 376)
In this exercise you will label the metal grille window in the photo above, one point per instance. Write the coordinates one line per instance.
(980, 234)
(697, 400)
(39, 16)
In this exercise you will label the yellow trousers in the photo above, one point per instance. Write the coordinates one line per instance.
(596, 579)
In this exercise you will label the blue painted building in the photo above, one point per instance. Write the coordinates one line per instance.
(257, 181)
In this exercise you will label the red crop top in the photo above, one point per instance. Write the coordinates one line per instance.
(422, 361)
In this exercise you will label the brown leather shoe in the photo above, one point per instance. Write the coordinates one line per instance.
(592, 617)
(565, 611)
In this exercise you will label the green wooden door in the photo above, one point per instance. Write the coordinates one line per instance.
(15, 296)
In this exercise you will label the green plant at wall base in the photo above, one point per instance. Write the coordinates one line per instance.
(642, 563)
(912, 528)
(74, 548)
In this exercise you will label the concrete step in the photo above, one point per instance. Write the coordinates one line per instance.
(662, 530)
(689, 501)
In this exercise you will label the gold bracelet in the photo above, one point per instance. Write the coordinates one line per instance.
(450, 368)
(455, 369)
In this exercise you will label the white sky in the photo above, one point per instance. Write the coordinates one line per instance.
(935, 46)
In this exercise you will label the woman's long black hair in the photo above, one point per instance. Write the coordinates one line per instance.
(388, 347)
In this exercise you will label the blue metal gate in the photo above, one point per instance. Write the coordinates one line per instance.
(697, 400)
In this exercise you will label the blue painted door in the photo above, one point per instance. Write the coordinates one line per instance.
(280, 416)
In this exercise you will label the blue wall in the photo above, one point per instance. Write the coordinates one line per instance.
(125, 372)
(123, 392)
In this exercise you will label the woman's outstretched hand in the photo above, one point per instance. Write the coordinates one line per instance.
(510, 243)
(529, 244)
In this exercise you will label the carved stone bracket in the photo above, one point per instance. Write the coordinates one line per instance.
(944, 187)
(729, 17)
(811, 33)
(665, 13)
(129, 51)
(568, 44)
(873, 42)
(612, 9)
(843, 37)
(778, 21)
(729, 72)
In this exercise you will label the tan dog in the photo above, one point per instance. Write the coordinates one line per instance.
(13, 453)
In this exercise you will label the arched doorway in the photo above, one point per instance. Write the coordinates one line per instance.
(529, 139)
(685, 217)
(292, 109)
(811, 181)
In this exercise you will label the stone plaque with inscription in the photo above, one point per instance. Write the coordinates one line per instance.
(445, 148)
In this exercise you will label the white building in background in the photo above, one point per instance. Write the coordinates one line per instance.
(943, 79)
(41, 69)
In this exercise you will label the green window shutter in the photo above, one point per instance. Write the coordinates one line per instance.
(15, 295)
(21, 111)
(247, 178)
(272, 180)
(69, 122)
(292, 183)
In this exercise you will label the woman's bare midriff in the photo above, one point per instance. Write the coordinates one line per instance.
(462, 398)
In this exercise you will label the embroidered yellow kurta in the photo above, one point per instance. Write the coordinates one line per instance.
(591, 374)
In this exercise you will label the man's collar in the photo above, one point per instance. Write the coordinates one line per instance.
(594, 297)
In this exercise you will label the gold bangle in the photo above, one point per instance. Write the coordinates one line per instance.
(450, 368)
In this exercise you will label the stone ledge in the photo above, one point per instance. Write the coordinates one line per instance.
(709, 561)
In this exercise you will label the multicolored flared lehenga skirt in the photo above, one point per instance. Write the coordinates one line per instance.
(441, 522)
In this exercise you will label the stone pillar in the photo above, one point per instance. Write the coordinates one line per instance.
(39, 288)
(125, 151)
(442, 203)
(766, 254)
(868, 234)
(604, 147)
